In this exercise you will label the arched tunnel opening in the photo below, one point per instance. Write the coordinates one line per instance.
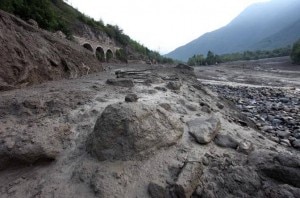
(88, 47)
(109, 55)
(100, 54)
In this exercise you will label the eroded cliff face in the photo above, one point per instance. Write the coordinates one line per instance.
(30, 55)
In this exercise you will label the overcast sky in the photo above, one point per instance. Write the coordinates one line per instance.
(163, 25)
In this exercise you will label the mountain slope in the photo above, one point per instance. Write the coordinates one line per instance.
(252, 29)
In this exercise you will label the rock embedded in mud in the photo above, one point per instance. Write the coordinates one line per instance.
(206, 109)
(188, 180)
(122, 82)
(283, 190)
(166, 106)
(156, 191)
(296, 144)
(219, 105)
(245, 147)
(282, 167)
(131, 98)
(161, 89)
(128, 130)
(204, 131)
(33, 23)
(226, 141)
(174, 85)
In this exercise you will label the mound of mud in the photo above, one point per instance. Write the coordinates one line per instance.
(30, 55)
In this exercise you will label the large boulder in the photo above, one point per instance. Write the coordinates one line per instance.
(127, 130)
(204, 131)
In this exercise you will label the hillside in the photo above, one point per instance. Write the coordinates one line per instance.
(56, 15)
(30, 55)
(262, 26)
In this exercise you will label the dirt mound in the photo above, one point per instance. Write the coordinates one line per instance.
(30, 55)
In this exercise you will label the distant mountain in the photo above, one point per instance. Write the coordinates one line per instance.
(265, 25)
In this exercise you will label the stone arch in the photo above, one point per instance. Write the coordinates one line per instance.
(100, 54)
(88, 47)
(109, 55)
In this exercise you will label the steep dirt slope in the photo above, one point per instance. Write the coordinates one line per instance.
(30, 55)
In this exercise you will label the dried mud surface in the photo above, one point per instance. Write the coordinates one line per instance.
(45, 129)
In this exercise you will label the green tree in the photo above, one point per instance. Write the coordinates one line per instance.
(295, 55)
(210, 58)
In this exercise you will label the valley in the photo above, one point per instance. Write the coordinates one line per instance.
(47, 148)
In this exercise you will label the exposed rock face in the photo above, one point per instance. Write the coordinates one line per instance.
(204, 131)
(29, 55)
(125, 130)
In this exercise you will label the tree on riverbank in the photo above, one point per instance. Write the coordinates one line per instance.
(295, 55)
(212, 58)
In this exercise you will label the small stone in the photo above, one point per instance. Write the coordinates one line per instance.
(156, 191)
(219, 105)
(206, 109)
(275, 139)
(131, 98)
(226, 141)
(166, 106)
(276, 121)
(199, 191)
(174, 85)
(161, 89)
(205, 161)
(285, 142)
(267, 128)
(33, 23)
(296, 144)
(296, 135)
(283, 134)
(284, 100)
(9, 143)
(245, 147)
(191, 107)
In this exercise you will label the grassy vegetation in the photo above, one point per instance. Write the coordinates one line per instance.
(54, 15)
(211, 58)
